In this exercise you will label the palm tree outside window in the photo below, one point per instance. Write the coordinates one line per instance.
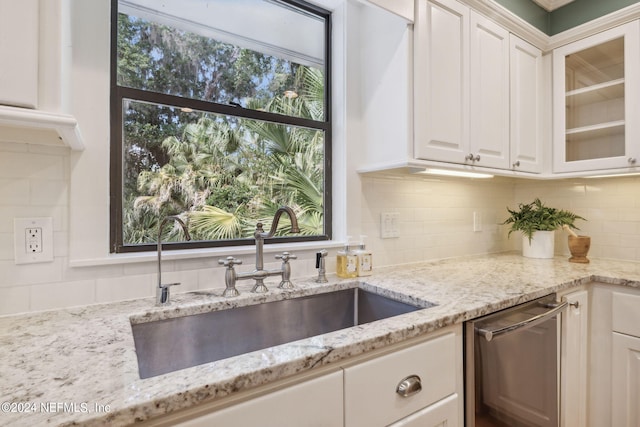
(220, 114)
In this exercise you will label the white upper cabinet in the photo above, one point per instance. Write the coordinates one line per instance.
(402, 8)
(595, 101)
(441, 81)
(489, 137)
(19, 30)
(477, 92)
(35, 56)
(526, 77)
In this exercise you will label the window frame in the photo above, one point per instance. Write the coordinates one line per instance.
(118, 93)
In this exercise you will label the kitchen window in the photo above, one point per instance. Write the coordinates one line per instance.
(220, 113)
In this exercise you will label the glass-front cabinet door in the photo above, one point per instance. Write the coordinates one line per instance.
(596, 101)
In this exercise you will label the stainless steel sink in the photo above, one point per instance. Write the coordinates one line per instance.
(168, 345)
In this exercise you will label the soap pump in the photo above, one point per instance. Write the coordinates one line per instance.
(365, 259)
(347, 262)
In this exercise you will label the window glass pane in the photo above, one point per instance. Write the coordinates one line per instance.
(246, 52)
(222, 173)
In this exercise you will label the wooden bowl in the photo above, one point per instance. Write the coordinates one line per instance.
(579, 247)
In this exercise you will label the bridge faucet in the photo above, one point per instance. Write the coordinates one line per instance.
(162, 291)
(259, 274)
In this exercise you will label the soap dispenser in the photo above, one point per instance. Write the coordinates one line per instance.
(365, 259)
(347, 262)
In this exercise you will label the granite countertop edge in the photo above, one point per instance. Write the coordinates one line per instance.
(87, 355)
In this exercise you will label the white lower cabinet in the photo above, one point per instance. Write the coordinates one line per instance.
(625, 375)
(441, 414)
(574, 360)
(362, 391)
(313, 403)
(614, 357)
(373, 389)
(625, 360)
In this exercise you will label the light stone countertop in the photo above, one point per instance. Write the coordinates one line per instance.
(58, 365)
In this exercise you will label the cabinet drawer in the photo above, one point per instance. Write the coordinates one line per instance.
(370, 387)
(626, 313)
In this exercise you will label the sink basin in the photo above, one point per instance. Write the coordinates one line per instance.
(169, 345)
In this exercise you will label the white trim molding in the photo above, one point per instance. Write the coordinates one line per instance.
(550, 5)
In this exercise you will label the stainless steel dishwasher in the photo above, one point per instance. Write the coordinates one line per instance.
(512, 360)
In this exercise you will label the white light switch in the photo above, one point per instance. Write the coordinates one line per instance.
(477, 221)
(33, 240)
(389, 225)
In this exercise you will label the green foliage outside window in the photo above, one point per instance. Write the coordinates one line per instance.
(219, 172)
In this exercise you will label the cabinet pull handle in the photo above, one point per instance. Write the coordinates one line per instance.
(516, 164)
(632, 160)
(409, 386)
(472, 158)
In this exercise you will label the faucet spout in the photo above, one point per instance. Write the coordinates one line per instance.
(276, 221)
(259, 273)
(162, 291)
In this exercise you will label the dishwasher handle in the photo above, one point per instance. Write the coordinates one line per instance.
(555, 308)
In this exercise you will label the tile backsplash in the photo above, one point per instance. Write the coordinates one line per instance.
(435, 221)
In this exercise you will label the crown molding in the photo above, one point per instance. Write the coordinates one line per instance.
(511, 22)
(613, 19)
(551, 5)
(541, 40)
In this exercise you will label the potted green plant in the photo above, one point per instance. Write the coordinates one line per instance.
(537, 224)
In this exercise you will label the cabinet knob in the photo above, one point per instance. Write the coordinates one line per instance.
(409, 386)
(632, 160)
(473, 158)
(516, 164)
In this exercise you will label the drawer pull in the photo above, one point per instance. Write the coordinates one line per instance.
(409, 386)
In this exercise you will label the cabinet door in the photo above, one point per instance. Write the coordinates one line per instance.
(441, 414)
(526, 106)
(489, 93)
(19, 53)
(595, 101)
(625, 378)
(441, 81)
(573, 362)
(371, 388)
(314, 403)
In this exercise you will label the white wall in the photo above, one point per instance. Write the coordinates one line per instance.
(435, 222)
(610, 205)
(436, 217)
(435, 214)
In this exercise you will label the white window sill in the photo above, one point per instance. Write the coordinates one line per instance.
(152, 256)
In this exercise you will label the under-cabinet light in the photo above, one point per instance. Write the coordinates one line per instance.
(614, 175)
(462, 174)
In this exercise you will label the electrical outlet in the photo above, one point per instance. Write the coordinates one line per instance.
(33, 240)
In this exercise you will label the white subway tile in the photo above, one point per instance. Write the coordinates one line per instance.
(22, 274)
(14, 300)
(124, 288)
(49, 193)
(14, 192)
(63, 294)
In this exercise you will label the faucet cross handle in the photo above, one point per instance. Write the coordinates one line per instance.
(286, 270)
(230, 261)
(286, 256)
(230, 276)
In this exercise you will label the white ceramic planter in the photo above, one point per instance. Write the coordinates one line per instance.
(541, 246)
